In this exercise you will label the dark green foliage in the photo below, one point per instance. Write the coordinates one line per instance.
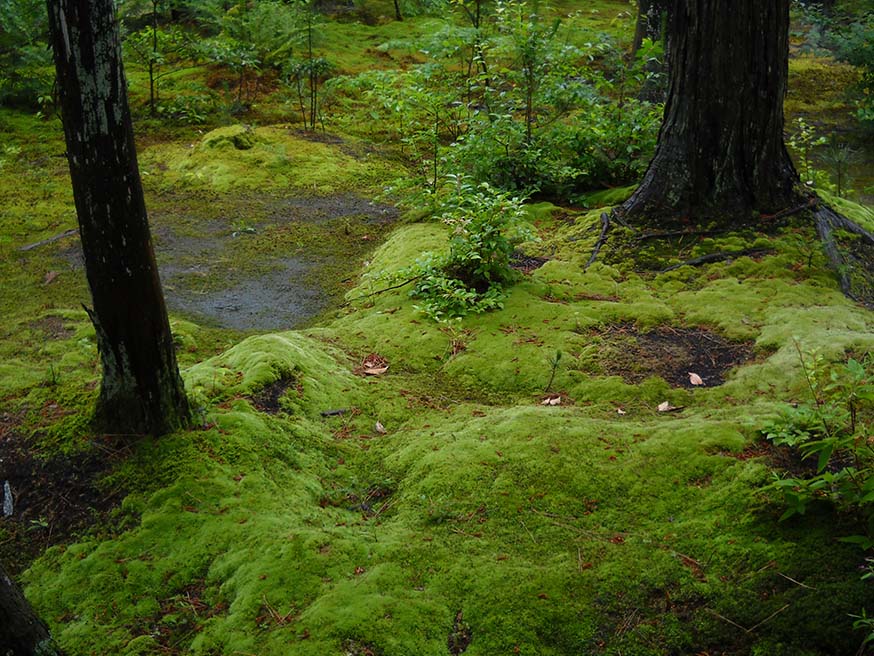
(855, 44)
(26, 71)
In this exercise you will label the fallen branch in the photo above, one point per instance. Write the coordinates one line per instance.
(721, 256)
(382, 291)
(811, 203)
(50, 240)
(602, 239)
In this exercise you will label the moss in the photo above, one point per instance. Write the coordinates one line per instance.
(545, 529)
(268, 158)
(818, 87)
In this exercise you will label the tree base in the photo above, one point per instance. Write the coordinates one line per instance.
(848, 247)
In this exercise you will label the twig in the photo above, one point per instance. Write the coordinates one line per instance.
(50, 240)
(530, 534)
(382, 291)
(769, 617)
(602, 239)
(725, 619)
(752, 628)
(334, 413)
(679, 233)
(721, 256)
(798, 583)
(809, 204)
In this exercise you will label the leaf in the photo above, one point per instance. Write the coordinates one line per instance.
(379, 428)
(555, 399)
(50, 277)
(695, 379)
(376, 371)
(664, 406)
(620, 412)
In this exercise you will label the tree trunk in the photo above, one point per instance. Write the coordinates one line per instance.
(720, 157)
(650, 18)
(141, 391)
(22, 633)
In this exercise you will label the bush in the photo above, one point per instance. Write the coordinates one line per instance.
(486, 225)
(26, 70)
(835, 431)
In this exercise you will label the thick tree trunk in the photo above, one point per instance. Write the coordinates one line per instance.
(720, 157)
(22, 633)
(141, 391)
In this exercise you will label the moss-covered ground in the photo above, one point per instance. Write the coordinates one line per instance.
(439, 507)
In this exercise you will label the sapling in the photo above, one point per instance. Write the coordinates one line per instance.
(554, 361)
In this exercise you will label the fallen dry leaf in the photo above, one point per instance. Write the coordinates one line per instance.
(551, 400)
(695, 379)
(373, 365)
(380, 428)
(620, 411)
(50, 277)
(665, 406)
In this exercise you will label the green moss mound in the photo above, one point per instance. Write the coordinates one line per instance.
(267, 158)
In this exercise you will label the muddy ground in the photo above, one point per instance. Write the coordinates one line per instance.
(258, 263)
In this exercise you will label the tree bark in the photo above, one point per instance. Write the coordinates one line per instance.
(720, 158)
(22, 633)
(650, 14)
(141, 390)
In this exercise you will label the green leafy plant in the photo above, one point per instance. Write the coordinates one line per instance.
(802, 141)
(834, 432)
(486, 225)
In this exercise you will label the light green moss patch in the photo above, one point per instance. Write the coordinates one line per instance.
(818, 88)
(240, 157)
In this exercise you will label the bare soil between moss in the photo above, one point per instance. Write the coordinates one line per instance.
(53, 499)
(672, 354)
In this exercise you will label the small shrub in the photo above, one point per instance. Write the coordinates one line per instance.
(486, 225)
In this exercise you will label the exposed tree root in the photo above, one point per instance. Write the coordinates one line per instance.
(721, 256)
(854, 271)
(853, 266)
(602, 239)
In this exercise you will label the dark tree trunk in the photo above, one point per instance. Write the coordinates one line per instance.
(22, 633)
(650, 19)
(720, 158)
(141, 391)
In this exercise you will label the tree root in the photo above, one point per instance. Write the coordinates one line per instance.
(721, 256)
(855, 274)
(602, 239)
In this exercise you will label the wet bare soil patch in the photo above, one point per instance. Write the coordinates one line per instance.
(526, 263)
(268, 398)
(52, 327)
(259, 262)
(670, 353)
(52, 500)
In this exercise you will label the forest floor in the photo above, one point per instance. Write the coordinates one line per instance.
(373, 483)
